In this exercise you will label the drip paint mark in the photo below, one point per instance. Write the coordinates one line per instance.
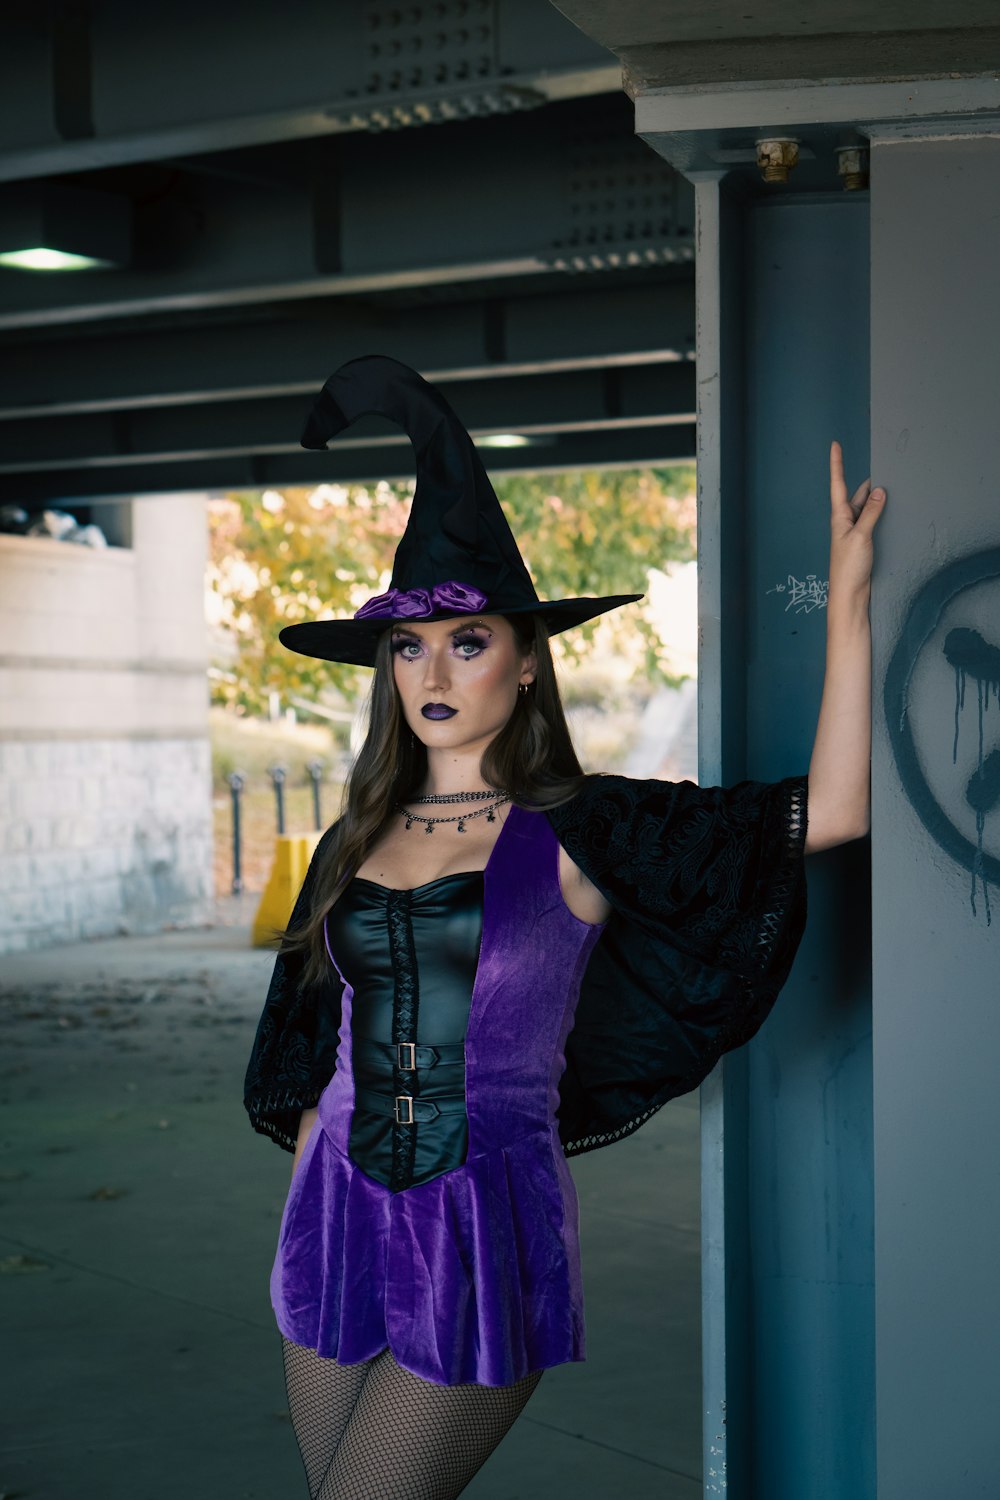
(982, 793)
(804, 594)
(971, 656)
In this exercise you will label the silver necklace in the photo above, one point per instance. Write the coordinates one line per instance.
(458, 796)
(460, 818)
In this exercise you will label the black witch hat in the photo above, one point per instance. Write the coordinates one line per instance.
(457, 554)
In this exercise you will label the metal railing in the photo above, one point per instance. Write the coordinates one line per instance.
(278, 773)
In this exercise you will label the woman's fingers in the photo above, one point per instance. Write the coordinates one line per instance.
(842, 512)
(871, 510)
(865, 501)
(838, 489)
(860, 496)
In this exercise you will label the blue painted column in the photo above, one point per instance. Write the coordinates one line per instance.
(810, 1083)
(850, 1189)
(786, 1121)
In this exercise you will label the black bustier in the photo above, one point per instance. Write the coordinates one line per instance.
(410, 957)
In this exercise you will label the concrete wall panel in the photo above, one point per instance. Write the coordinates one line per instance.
(936, 446)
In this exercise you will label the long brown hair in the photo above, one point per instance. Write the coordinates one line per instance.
(532, 757)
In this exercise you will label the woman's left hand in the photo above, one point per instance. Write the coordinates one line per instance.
(851, 525)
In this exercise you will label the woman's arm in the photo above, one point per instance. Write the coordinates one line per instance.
(306, 1123)
(840, 768)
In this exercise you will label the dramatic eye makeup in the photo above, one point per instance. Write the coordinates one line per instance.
(476, 638)
(465, 636)
(399, 642)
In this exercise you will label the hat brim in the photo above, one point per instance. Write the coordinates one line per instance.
(356, 641)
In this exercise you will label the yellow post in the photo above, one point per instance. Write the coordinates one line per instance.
(292, 853)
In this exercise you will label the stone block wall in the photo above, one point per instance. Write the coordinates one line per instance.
(105, 776)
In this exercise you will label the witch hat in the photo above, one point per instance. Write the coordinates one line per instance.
(458, 554)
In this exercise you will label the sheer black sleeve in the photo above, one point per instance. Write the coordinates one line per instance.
(708, 891)
(717, 870)
(295, 1047)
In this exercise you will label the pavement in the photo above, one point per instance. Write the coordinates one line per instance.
(139, 1215)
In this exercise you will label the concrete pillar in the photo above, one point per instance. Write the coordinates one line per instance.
(935, 377)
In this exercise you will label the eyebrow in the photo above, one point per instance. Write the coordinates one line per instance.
(402, 630)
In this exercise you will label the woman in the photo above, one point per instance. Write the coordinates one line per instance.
(452, 1016)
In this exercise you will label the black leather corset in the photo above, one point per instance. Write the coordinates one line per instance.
(411, 957)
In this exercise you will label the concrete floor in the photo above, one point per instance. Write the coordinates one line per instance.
(139, 1216)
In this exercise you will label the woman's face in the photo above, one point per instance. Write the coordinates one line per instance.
(469, 664)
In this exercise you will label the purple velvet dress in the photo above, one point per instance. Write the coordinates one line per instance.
(473, 1275)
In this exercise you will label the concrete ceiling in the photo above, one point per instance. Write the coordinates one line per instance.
(742, 40)
(456, 183)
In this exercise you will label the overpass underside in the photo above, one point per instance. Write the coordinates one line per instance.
(458, 185)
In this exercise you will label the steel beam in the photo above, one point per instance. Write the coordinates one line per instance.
(292, 353)
(605, 449)
(114, 82)
(370, 213)
(579, 401)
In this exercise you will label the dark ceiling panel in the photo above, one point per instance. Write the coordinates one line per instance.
(525, 250)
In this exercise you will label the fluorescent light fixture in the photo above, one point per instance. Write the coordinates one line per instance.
(48, 226)
(40, 258)
(503, 440)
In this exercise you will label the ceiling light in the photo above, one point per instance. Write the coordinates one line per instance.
(40, 258)
(503, 440)
(54, 227)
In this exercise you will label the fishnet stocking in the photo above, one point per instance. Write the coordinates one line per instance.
(375, 1431)
(321, 1397)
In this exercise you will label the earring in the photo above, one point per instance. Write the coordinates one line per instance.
(522, 688)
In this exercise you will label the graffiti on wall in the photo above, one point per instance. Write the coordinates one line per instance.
(949, 765)
(804, 594)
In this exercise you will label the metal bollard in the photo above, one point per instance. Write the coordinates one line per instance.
(277, 774)
(237, 781)
(315, 769)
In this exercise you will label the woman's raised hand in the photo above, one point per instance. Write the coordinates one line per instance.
(851, 525)
(840, 767)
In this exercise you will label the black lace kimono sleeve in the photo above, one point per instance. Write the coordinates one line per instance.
(708, 891)
(294, 1051)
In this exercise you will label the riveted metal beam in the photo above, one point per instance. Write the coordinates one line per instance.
(371, 213)
(88, 87)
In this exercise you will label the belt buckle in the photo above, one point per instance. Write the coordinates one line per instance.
(406, 1066)
(408, 1099)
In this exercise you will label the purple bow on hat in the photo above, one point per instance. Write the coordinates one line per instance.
(413, 604)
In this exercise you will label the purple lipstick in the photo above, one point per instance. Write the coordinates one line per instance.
(437, 711)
